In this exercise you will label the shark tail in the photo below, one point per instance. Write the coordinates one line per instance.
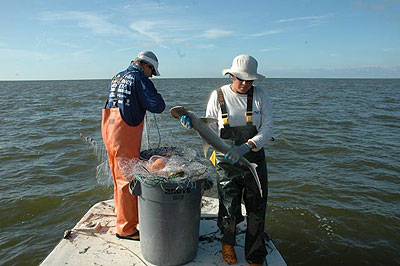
(252, 168)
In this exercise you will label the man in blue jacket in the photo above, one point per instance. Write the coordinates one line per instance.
(131, 94)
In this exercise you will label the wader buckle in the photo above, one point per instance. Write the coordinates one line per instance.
(225, 118)
(249, 116)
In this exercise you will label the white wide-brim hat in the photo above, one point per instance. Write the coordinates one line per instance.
(244, 67)
(150, 58)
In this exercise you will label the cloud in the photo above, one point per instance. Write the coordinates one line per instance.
(82, 53)
(125, 49)
(149, 29)
(93, 22)
(315, 24)
(315, 21)
(156, 8)
(298, 22)
(155, 31)
(62, 43)
(216, 33)
(302, 18)
(41, 37)
(204, 46)
(99, 25)
(160, 31)
(270, 32)
(23, 54)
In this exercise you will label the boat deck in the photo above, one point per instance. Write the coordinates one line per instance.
(92, 241)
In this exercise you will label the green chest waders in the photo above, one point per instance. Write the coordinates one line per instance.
(236, 182)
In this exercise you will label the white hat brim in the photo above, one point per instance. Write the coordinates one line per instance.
(243, 75)
(151, 62)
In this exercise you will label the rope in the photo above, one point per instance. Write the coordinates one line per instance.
(147, 132)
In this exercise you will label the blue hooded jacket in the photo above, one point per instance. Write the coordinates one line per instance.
(134, 93)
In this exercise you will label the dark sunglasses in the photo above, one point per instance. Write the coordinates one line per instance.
(153, 70)
(241, 80)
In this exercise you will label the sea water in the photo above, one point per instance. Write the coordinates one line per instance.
(334, 168)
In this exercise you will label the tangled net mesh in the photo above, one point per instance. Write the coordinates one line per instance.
(167, 165)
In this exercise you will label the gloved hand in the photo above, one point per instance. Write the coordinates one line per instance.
(186, 122)
(236, 152)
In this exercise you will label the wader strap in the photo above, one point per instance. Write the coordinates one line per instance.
(223, 107)
(249, 112)
(115, 99)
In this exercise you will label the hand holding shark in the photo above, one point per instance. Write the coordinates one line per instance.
(210, 138)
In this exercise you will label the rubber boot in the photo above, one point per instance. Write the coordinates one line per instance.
(229, 254)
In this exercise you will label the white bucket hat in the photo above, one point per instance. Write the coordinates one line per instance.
(244, 67)
(150, 58)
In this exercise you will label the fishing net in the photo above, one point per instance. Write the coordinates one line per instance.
(167, 165)
(155, 165)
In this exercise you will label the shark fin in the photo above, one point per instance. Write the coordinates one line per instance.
(206, 147)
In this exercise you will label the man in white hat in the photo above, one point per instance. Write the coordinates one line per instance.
(244, 115)
(131, 94)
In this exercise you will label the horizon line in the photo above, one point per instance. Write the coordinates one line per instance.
(157, 78)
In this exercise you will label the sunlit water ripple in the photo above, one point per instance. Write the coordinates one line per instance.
(333, 170)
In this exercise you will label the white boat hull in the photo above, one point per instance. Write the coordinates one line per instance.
(93, 242)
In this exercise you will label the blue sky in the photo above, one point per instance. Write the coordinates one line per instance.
(49, 39)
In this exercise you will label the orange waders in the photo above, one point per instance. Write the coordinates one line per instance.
(122, 141)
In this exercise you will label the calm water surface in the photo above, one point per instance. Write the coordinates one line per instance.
(334, 169)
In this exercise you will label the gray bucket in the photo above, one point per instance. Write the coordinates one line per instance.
(169, 221)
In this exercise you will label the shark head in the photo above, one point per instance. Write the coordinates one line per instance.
(178, 111)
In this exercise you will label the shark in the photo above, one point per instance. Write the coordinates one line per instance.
(211, 139)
